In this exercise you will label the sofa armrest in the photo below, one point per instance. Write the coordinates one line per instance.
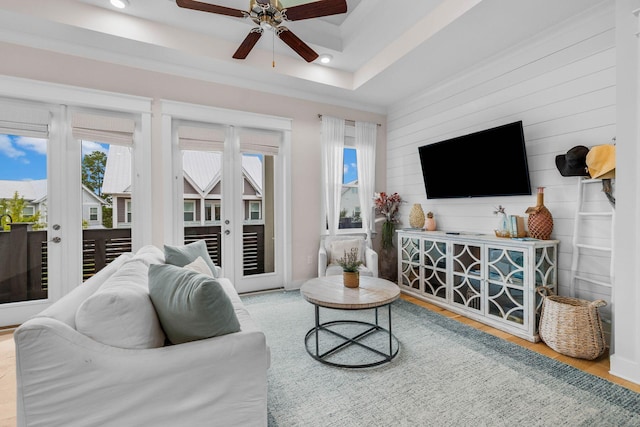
(66, 379)
(371, 261)
(322, 261)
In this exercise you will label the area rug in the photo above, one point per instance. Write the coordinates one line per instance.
(445, 374)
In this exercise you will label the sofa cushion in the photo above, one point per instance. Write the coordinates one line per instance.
(339, 247)
(186, 254)
(200, 266)
(190, 305)
(120, 313)
(150, 255)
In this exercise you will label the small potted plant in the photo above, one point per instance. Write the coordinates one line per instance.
(430, 222)
(350, 273)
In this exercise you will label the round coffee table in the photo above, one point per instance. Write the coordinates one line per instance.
(330, 292)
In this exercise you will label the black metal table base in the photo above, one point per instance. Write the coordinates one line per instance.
(348, 341)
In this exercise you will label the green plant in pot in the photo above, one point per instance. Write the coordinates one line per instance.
(350, 263)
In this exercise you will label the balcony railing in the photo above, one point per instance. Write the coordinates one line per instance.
(24, 262)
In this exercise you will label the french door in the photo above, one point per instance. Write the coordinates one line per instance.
(40, 237)
(230, 189)
(42, 145)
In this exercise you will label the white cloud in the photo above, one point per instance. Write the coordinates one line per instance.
(38, 145)
(89, 147)
(7, 148)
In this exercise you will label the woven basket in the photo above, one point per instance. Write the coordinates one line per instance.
(571, 326)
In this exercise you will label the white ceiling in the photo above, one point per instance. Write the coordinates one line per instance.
(384, 51)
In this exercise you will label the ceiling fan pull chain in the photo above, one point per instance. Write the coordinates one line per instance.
(273, 49)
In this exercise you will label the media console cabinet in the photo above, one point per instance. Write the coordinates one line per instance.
(489, 279)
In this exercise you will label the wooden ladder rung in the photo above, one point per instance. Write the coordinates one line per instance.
(605, 214)
(597, 248)
(594, 281)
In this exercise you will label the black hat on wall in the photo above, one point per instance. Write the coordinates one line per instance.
(574, 163)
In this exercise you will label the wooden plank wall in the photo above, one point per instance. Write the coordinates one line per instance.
(561, 84)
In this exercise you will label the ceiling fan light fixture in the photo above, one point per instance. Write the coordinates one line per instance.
(120, 4)
(325, 58)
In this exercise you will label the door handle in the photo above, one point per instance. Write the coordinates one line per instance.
(56, 240)
(227, 232)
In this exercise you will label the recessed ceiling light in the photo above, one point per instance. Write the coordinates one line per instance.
(120, 4)
(325, 58)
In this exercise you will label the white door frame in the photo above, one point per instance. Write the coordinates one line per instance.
(174, 231)
(63, 163)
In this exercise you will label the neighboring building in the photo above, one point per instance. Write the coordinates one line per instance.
(201, 187)
(350, 204)
(34, 192)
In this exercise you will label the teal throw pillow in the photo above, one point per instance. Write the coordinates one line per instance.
(183, 255)
(190, 305)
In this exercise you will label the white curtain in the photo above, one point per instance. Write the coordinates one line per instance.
(332, 168)
(366, 148)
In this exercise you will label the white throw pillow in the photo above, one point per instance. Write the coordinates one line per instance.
(120, 313)
(338, 248)
(150, 255)
(200, 266)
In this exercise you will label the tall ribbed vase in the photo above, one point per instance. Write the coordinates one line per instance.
(416, 216)
(540, 219)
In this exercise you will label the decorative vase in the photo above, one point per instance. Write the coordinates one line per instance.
(416, 216)
(430, 222)
(351, 279)
(540, 220)
(503, 225)
(388, 229)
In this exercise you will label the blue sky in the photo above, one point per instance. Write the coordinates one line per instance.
(350, 169)
(24, 158)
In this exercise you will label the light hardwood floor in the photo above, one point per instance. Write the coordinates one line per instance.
(598, 367)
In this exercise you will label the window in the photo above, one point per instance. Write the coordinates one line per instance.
(189, 211)
(212, 211)
(254, 211)
(350, 200)
(93, 213)
(28, 211)
(128, 211)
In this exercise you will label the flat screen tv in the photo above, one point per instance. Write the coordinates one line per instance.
(492, 162)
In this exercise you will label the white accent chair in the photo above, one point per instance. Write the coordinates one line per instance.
(333, 248)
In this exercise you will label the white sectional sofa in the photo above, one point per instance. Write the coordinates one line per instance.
(70, 378)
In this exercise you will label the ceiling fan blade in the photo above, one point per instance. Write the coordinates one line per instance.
(207, 7)
(248, 43)
(315, 9)
(300, 47)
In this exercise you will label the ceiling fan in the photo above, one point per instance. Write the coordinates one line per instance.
(269, 14)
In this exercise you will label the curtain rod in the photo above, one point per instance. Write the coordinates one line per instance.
(348, 120)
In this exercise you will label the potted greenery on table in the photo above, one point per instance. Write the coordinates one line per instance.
(350, 273)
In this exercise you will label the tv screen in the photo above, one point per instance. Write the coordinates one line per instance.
(492, 162)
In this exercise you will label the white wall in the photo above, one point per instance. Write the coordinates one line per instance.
(626, 360)
(562, 85)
